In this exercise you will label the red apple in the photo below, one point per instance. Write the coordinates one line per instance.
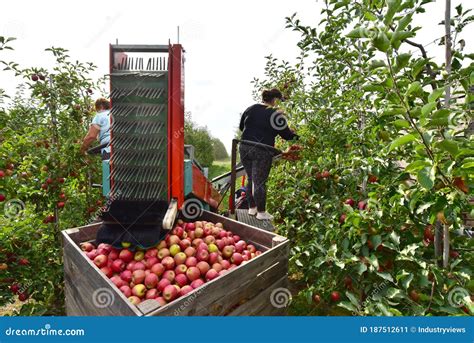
(161, 301)
(172, 239)
(126, 276)
(151, 293)
(190, 226)
(151, 280)
(130, 265)
(190, 251)
(118, 265)
(217, 267)
(86, 246)
(180, 258)
(191, 261)
(211, 274)
(134, 300)
(92, 254)
(180, 269)
(107, 271)
(203, 267)
(162, 245)
(193, 273)
(213, 257)
(184, 244)
(181, 280)
(138, 276)
(350, 202)
(170, 293)
(225, 264)
(202, 255)
(151, 261)
(178, 231)
(197, 283)
(220, 244)
(114, 254)
(100, 261)
(185, 290)
(168, 263)
(198, 232)
(162, 253)
(152, 252)
(335, 296)
(169, 275)
(126, 255)
(162, 284)
(117, 281)
(138, 266)
(158, 269)
(209, 239)
(126, 290)
(342, 218)
(222, 234)
(362, 205)
(240, 246)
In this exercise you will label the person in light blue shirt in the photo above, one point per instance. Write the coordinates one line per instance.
(100, 128)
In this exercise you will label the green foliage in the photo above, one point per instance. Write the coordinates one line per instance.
(220, 152)
(200, 138)
(372, 116)
(41, 131)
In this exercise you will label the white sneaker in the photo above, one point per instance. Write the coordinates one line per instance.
(264, 216)
(252, 211)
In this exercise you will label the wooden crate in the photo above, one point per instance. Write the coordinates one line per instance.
(245, 290)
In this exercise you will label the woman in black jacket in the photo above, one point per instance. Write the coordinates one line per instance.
(261, 123)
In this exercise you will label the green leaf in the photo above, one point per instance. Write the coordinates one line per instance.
(359, 32)
(403, 23)
(402, 61)
(417, 165)
(376, 240)
(467, 165)
(385, 276)
(348, 306)
(418, 67)
(435, 94)
(427, 108)
(393, 292)
(361, 268)
(405, 279)
(381, 42)
(352, 298)
(376, 64)
(425, 178)
(440, 118)
(402, 141)
(449, 145)
(401, 123)
(393, 6)
(395, 238)
(414, 88)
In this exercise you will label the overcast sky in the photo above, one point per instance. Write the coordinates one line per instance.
(225, 41)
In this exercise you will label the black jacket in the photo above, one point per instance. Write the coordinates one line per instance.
(262, 124)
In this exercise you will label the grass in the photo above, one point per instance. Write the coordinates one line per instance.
(219, 168)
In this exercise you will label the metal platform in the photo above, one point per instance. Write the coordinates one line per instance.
(244, 217)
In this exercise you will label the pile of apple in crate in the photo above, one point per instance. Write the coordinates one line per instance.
(192, 254)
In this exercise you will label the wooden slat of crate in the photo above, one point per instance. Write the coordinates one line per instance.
(262, 304)
(82, 279)
(243, 283)
(213, 297)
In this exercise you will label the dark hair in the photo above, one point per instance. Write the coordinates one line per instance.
(269, 94)
(102, 103)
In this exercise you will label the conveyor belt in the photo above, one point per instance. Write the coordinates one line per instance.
(244, 217)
